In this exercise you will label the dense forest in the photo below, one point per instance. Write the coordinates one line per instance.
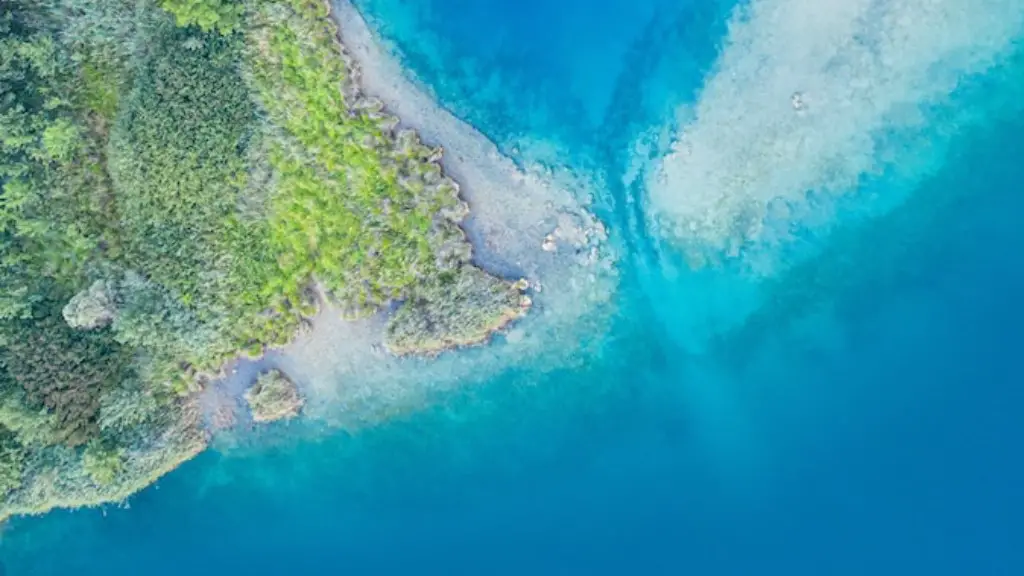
(184, 181)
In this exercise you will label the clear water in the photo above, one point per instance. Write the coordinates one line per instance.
(857, 411)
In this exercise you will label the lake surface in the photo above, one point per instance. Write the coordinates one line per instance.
(839, 393)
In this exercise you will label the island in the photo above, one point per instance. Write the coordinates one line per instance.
(274, 397)
(182, 183)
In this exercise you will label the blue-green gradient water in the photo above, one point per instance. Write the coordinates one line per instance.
(856, 408)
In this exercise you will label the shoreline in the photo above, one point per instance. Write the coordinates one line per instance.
(521, 225)
(528, 223)
(469, 157)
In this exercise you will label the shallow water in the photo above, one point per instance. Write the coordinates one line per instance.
(853, 408)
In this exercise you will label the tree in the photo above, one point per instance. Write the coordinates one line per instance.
(225, 16)
(12, 462)
(102, 462)
(91, 308)
(273, 397)
(62, 369)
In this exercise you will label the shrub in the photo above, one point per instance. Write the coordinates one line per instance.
(102, 462)
(64, 370)
(130, 407)
(177, 160)
(273, 397)
(12, 461)
(31, 426)
(461, 307)
(225, 16)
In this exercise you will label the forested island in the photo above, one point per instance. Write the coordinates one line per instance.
(184, 182)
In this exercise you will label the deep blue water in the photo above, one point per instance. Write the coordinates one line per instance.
(865, 419)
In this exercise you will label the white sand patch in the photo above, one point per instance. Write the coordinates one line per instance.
(803, 105)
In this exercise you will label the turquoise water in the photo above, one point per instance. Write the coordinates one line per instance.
(856, 410)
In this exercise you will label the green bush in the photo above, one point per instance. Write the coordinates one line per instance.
(12, 462)
(224, 16)
(273, 397)
(461, 307)
(30, 425)
(102, 462)
(340, 213)
(177, 159)
(64, 370)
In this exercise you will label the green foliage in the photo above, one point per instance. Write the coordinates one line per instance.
(460, 307)
(176, 158)
(12, 462)
(149, 318)
(103, 35)
(180, 151)
(368, 215)
(225, 16)
(14, 303)
(143, 316)
(30, 425)
(50, 164)
(273, 397)
(100, 90)
(128, 408)
(102, 462)
(60, 140)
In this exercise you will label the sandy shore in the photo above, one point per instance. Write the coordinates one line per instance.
(523, 224)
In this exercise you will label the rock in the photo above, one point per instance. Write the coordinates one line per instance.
(436, 154)
(797, 99)
(570, 229)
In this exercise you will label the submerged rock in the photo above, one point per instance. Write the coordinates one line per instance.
(797, 100)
